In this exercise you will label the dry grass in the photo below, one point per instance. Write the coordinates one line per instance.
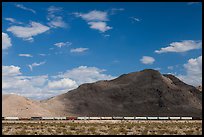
(95, 127)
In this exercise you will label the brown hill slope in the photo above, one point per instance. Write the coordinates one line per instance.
(14, 105)
(144, 93)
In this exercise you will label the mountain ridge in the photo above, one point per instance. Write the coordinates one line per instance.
(143, 93)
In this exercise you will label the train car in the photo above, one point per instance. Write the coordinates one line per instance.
(117, 118)
(175, 118)
(47, 118)
(82, 118)
(197, 118)
(11, 118)
(95, 118)
(163, 118)
(59, 118)
(71, 118)
(129, 118)
(140, 118)
(36, 118)
(152, 118)
(186, 118)
(24, 118)
(106, 118)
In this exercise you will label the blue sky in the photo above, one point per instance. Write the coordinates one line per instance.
(53, 46)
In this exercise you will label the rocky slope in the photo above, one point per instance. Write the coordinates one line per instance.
(144, 93)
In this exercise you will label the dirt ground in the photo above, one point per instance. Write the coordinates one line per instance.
(103, 127)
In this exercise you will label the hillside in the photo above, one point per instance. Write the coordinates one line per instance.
(143, 93)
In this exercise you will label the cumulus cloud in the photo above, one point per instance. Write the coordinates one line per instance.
(64, 83)
(101, 26)
(30, 86)
(182, 46)
(193, 72)
(28, 32)
(25, 55)
(35, 65)
(12, 20)
(10, 70)
(94, 15)
(21, 6)
(61, 44)
(147, 60)
(44, 86)
(85, 74)
(96, 19)
(78, 50)
(6, 41)
(55, 20)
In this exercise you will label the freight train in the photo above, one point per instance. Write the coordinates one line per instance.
(100, 118)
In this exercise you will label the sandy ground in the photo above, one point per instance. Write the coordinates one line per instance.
(102, 127)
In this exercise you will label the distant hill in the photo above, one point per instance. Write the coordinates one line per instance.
(143, 93)
(14, 105)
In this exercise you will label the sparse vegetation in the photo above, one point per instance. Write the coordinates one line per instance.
(102, 128)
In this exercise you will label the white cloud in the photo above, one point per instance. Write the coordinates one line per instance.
(93, 16)
(115, 10)
(101, 26)
(12, 20)
(44, 86)
(147, 60)
(6, 41)
(42, 54)
(193, 71)
(64, 83)
(35, 65)
(135, 19)
(10, 70)
(106, 35)
(157, 69)
(192, 3)
(30, 86)
(61, 44)
(170, 67)
(53, 9)
(182, 46)
(96, 19)
(28, 32)
(25, 8)
(54, 19)
(25, 55)
(57, 22)
(78, 50)
(84, 74)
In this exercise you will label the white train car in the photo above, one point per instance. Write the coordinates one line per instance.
(118, 118)
(152, 118)
(59, 118)
(47, 118)
(140, 118)
(106, 118)
(129, 118)
(94, 118)
(82, 118)
(11, 118)
(163, 118)
(174, 118)
(186, 118)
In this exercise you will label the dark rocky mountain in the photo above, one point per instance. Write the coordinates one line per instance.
(143, 93)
